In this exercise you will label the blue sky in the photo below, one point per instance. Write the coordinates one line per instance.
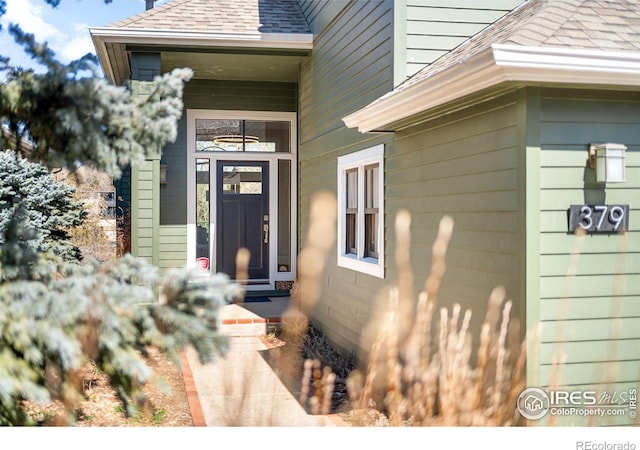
(65, 28)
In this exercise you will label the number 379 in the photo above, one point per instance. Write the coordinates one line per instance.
(599, 218)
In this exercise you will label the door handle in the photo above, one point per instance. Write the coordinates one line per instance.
(265, 228)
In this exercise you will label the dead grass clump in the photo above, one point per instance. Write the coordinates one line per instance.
(423, 368)
(430, 373)
(326, 371)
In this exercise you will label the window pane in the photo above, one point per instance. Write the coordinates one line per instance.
(267, 136)
(242, 180)
(284, 216)
(202, 209)
(219, 135)
(237, 135)
(350, 237)
(371, 235)
(352, 189)
(371, 186)
(351, 197)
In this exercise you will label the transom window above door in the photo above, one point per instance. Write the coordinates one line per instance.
(240, 135)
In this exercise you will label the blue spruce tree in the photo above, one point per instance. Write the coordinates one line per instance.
(57, 313)
(49, 204)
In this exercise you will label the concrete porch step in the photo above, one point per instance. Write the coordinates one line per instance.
(259, 318)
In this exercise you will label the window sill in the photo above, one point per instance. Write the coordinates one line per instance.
(368, 266)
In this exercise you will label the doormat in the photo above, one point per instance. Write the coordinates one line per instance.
(256, 299)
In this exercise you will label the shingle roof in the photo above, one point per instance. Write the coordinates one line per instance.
(222, 16)
(608, 25)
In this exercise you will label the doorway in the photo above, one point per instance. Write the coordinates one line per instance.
(241, 193)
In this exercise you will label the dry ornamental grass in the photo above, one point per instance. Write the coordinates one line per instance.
(423, 372)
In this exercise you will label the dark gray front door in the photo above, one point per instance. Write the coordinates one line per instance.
(243, 216)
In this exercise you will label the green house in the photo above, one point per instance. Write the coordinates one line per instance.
(519, 120)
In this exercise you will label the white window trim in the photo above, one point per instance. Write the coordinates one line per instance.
(369, 266)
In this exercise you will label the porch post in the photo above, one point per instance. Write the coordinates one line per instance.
(145, 176)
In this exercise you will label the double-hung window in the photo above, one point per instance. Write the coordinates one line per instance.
(361, 211)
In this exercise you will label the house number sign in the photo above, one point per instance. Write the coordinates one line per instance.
(599, 218)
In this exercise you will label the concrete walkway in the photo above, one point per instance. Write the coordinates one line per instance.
(243, 389)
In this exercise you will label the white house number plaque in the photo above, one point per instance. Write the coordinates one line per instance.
(599, 218)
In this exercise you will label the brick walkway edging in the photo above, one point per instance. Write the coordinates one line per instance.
(252, 321)
(192, 393)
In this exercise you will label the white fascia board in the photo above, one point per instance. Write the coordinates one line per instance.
(566, 59)
(103, 58)
(295, 41)
(498, 64)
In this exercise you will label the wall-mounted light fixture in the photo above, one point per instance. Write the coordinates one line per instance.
(608, 160)
(163, 173)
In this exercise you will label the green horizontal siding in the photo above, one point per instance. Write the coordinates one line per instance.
(354, 56)
(463, 165)
(173, 247)
(590, 287)
(593, 264)
(593, 372)
(429, 11)
(351, 65)
(602, 351)
(589, 307)
(559, 199)
(434, 27)
(320, 13)
(561, 286)
(588, 330)
(144, 224)
(173, 194)
(240, 95)
(504, 5)
(558, 243)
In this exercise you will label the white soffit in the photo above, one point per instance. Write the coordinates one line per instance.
(498, 64)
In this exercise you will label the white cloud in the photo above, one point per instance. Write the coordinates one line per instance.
(29, 15)
(70, 44)
(78, 45)
(66, 28)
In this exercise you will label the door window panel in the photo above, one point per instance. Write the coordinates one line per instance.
(284, 215)
(242, 180)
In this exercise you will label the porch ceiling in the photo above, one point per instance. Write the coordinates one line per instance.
(228, 66)
(244, 57)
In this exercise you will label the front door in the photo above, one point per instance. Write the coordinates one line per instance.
(242, 216)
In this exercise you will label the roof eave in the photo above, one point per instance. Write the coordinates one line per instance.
(190, 38)
(295, 41)
(495, 65)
